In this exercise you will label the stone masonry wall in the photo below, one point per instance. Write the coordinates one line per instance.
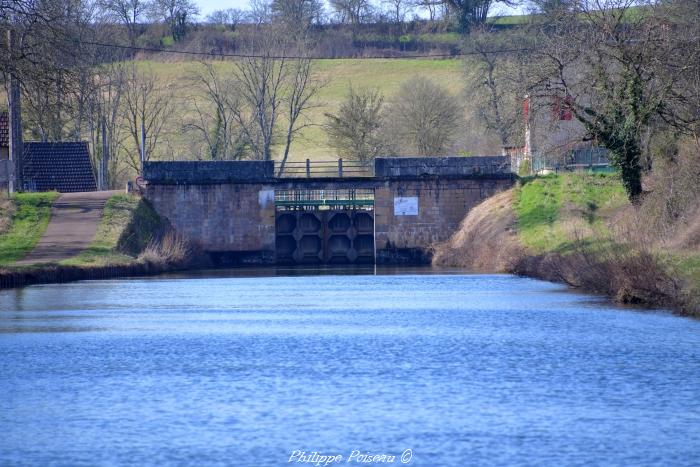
(228, 208)
(441, 206)
(441, 166)
(228, 218)
(201, 172)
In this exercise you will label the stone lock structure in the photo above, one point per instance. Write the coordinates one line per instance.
(240, 213)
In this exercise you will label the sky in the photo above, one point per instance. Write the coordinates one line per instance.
(207, 6)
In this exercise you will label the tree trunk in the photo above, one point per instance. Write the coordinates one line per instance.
(286, 153)
(627, 161)
(15, 121)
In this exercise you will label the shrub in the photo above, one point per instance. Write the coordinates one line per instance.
(170, 249)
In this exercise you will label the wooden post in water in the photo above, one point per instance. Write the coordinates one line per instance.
(308, 168)
(340, 167)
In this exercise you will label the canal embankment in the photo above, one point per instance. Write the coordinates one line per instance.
(581, 230)
(577, 229)
(130, 239)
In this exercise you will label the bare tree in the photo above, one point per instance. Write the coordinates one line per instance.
(295, 15)
(51, 61)
(261, 80)
(43, 30)
(215, 104)
(271, 87)
(302, 88)
(146, 104)
(127, 12)
(178, 15)
(352, 11)
(106, 108)
(47, 106)
(355, 132)
(497, 82)
(431, 6)
(259, 12)
(425, 117)
(473, 12)
(230, 17)
(62, 79)
(398, 9)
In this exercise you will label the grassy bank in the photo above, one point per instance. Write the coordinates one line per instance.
(578, 229)
(540, 215)
(23, 219)
(556, 211)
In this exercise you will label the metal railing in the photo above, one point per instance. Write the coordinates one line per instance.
(339, 168)
(347, 197)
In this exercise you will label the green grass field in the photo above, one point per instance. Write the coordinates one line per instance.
(385, 76)
(28, 222)
(510, 20)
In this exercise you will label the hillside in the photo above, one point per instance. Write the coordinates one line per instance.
(386, 76)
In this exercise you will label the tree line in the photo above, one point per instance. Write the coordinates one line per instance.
(627, 71)
(178, 15)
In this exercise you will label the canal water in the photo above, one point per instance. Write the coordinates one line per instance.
(258, 369)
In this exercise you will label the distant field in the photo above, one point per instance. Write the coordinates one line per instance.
(509, 20)
(383, 75)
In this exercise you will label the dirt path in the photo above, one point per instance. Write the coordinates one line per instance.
(73, 224)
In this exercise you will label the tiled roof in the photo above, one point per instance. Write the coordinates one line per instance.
(64, 167)
(4, 130)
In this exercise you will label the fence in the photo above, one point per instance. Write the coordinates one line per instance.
(334, 198)
(579, 160)
(337, 168)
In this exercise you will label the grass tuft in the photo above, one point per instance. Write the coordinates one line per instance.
(28, 219)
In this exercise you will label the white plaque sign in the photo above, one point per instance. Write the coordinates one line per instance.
(265, 197)
(406, 206)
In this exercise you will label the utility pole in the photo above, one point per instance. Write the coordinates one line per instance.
(15, 120)
(104, 166)
(527, 118)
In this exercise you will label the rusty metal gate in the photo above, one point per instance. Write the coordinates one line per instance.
(324, 228)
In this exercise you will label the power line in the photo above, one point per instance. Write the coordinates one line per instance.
(297, 57)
